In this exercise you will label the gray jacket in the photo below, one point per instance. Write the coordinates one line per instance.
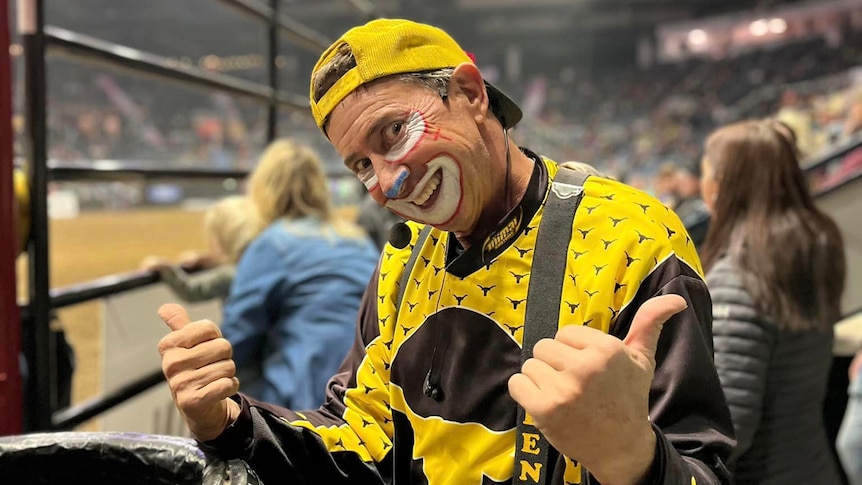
(775, 384)
(208, 284)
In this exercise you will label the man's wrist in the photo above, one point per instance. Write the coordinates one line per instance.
(632, 465)
(232, 412)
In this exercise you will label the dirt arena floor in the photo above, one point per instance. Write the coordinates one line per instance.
(100, 244)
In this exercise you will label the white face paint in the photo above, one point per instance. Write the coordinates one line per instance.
(369, 178)
(437, 197)
(414, 130)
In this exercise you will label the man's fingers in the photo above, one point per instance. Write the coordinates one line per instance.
(524, 391)
(191, 335)
(542, 374)
(555, 353)
(579, 337)
(220, 389)
(648, 322)
(174, 315)
(213, 372)
(207, 399)
(181, 359)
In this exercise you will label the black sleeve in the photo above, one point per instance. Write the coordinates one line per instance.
(687, 406)
(327, 445)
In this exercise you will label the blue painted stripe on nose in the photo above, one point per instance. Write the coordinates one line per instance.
(399, 182)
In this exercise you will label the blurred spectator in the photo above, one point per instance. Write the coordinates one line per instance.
(853, 123)
(664, 186)
(291, 314)
(775, 269)
(829, 119)
(799, 120)
(231, 225)
(690, 207)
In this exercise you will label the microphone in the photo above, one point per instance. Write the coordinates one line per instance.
(400, 235)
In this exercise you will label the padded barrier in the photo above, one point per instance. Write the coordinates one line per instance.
(114, 458)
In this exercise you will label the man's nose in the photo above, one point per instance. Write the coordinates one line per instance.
(393, 180)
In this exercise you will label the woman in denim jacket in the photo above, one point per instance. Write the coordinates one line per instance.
(291, 312)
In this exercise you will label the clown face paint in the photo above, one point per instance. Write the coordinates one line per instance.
(414, 130)
(432, 201)
(367, 176)
(398, 184)
(437, 197)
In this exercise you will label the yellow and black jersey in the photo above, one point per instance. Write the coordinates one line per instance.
(459, 330)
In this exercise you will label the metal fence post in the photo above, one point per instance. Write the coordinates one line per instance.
(272, 71)
(11, 419)
(41, 360)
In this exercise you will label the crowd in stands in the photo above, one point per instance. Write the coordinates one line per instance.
(628, 124)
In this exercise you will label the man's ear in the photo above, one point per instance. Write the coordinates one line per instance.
(469, 80)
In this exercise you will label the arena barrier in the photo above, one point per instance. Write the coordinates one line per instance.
(38, 39)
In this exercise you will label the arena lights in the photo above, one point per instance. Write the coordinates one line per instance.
(762, 27)
(777, 26)
(697, 37)
(759, 27)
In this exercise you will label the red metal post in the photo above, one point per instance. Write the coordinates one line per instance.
(11, 417)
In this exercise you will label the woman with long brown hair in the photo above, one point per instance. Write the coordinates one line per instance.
(775, 269)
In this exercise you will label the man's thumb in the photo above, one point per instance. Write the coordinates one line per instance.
(174, 315)
(649, 320)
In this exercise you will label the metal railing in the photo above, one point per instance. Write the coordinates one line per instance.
(38, 40)
(832, 154)
(97, 289)
(63, 172)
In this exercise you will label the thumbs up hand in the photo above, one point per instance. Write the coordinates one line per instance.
(588, 393)
(196, 361)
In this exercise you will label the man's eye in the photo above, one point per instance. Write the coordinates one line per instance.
(362, 165)
(393, 131)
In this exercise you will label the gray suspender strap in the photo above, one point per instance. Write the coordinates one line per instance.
(534, 457)
(408, 268)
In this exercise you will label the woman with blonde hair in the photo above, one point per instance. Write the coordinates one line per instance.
(231, 224)
(775, 269)
(291, 313)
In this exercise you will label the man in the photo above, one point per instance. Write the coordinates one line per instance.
(690, 206)
(430, 391)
